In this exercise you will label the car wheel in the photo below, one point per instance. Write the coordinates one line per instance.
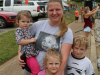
(44, 15)
(35, 18)
(3, 22)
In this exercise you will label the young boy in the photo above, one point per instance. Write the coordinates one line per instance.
(77, 63)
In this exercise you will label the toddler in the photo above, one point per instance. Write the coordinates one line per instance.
(25, 39)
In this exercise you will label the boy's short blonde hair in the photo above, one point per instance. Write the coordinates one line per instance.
(81, 41)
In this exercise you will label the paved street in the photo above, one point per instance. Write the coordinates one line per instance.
(12, 68)
(3, 30)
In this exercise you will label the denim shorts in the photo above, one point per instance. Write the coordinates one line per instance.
(87, 29)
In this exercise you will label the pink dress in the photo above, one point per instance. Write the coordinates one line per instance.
(43, 73)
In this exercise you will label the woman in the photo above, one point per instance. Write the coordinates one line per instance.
(88, 23)
(55, 25)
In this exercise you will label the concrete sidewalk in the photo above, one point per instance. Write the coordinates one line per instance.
(12, 67)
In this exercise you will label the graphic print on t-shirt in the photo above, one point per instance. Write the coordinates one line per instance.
(46, 41)
(73, 70)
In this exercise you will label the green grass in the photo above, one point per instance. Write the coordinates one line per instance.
(71, 19)
(8, 46)
(74, 3)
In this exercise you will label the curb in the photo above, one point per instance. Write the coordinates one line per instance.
(93, 56)
(9, 62)
(6, 31)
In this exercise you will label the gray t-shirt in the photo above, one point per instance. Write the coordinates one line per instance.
(44, 27)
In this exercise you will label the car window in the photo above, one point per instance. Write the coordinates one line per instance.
(17, 2)
(7, 2)
(1, 3)
(41, 3)
(30, 3)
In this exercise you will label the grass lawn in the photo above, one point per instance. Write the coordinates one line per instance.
(79, 7)
(8, 45)
(74, 3)
(71, 19)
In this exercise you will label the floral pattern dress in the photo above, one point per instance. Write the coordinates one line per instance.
(28, 49)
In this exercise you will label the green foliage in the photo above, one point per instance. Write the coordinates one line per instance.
(8, 46)
(69, 20)
(80, 4)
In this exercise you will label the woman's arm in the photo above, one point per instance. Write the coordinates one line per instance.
(91, 13)
(65, 50)
(26, 41)
(21, 62)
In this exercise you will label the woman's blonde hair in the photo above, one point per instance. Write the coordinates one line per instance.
(63, 25)
(85, 10)
(53, 53)
(81, 41)
(23, 13)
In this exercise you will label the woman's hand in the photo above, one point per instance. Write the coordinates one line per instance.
(21, 62)
(97, 7)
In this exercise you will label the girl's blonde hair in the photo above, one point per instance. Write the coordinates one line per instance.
(23, 13)
(53, 53)
(63, 25)
(85, 10)
(81, 41)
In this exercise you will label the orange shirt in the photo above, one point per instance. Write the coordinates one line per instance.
(76, 13)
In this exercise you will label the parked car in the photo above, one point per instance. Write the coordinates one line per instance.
(7, 18)
(18, 5)
(42, 5)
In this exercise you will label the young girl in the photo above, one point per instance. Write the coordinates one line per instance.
(76, 15)
(52, 61)
(88, 23)
(25, 39)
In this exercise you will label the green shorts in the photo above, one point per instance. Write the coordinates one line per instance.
(93, 20)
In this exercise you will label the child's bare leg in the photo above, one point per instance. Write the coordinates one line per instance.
(86, 34)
